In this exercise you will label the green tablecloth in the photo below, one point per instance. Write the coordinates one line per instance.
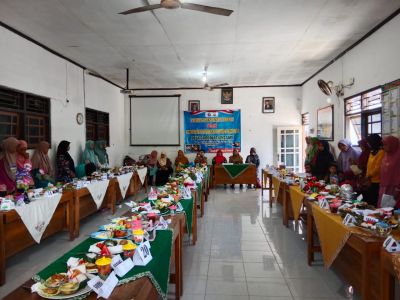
(157, 269)
(235, 170)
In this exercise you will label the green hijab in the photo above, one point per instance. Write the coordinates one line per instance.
(89, 154)
(313, 150)
(101, 152)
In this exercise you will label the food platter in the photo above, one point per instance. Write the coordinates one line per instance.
(105, 235)
(81, 292)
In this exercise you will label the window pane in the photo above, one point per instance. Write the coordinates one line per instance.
(289, 140)
(289, 160)
(296, 140)
(372, 99)
(376, 128)
(353, 128)
(376, 117)
(36, 130)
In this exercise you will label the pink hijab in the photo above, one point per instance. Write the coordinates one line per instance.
(390, 180)
(40, 158)
(8, 155)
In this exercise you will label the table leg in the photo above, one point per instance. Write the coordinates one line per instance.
(194, 221)
(177, 246)
(262, 183)
(310, 238)
(202, 200)
(285, 209)
(76, 214)
(2, 252)
(182, 232)
(70, 218)
(271, 199)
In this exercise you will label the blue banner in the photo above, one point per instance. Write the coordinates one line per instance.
(212, 130)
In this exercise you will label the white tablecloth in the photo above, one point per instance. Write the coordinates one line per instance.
(98, 190)
(123, 182)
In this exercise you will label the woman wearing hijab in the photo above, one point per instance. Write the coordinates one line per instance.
(360, 167)
(253, 159)
(373, 175)
(24, 165)
(164, 169)
(65, 163)
(8, 164)
(390, 179)
(89, 155)
(200, 159)
(152, 166)
(348, 156)
(236, 158)
(312, 150)
(180, 161)
(323, 160)
(101, 152)
(219, 158)
(41, 166)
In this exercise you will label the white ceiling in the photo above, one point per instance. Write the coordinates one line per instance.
(264, 42)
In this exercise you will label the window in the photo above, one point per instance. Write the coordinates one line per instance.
(24, 116)
(363, 115)
(97, 125)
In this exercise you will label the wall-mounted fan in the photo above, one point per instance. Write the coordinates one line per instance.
(172, 4)
(328, 87)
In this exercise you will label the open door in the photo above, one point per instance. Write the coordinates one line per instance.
(289, 147)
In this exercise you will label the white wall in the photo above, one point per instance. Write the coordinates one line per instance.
(27, 67)
(373, 62)
(257, 128)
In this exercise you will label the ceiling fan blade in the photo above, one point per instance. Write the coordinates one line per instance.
(221, 84)
(140, 9)
(207, 9)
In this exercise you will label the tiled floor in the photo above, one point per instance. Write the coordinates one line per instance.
(243, 252)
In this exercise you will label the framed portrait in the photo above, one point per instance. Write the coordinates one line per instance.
(268, 105)
(227, 96)
(193, 105)
(325, 128)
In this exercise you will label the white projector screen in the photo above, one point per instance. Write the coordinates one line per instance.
(155, 120)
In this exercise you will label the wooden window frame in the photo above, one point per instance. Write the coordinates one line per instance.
(98, 123)
(23, 113)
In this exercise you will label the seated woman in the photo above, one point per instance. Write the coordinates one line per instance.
(65, 163)
(152, 167)
(101, 153)
(8, 164)
(89, 156)
(253, 159)
(24, 165)
(200, 159)
(42, 170)
(390, 180)
(236, 158)
(164, 169)
(180, 161)
(219, 158)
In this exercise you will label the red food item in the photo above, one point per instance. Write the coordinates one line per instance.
(105, 251)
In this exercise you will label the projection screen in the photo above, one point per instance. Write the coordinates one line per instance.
(154, 120)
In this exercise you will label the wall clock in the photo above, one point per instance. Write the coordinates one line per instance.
(79, 118)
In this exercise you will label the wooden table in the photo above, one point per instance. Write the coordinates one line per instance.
(194, 217)
(84, 205)
(358, 261)
(388, 276)
(140, 289)
(221, 176)
(14, 237)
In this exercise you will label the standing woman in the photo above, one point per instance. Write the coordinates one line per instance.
(323, 160)
(24, 165)
(8, 164)
(348, 156)
(164, 169)
(65, 163)
(41, 167)
(373, 175)
(101, 152)
(311, 151)
(390, 179)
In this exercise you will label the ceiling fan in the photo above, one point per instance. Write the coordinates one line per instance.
(211, 87)
(172, 4)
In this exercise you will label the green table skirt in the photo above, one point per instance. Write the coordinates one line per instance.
(157, 269)
(235, 170)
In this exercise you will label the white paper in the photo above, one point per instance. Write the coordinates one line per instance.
(121, 267)
(163, 224)
(179, 207)
(360, 197)
(103, 288)
(348, 220)
(142, 255)
(115, 249)
(324, 204)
